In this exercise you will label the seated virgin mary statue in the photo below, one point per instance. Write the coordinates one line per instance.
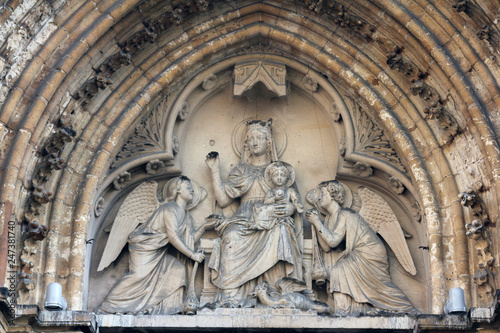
(246, 253)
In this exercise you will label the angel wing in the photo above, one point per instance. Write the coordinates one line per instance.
(137, 208)
(381, 218)
(290, 285)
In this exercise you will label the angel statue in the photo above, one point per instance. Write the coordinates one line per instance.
(359, 276)
(254, 246)
(161, 240)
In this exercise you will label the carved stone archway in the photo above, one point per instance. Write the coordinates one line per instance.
(82, 76)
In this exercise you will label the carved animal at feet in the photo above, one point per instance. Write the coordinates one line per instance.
(292, 293)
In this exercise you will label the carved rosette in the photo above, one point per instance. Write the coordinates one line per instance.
(210, 82)
(155, 167)
(122, 180)
(396, 185)
(362, 169)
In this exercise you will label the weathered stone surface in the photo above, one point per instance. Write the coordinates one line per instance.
(424, 74)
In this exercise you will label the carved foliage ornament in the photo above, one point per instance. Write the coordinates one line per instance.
(477, 230)
(435, 105)
(133, 45)
(460, 6)
(396, 185)
(150, 136)
(370, 140)
(33, 230)
(176, 16)
(343, 19)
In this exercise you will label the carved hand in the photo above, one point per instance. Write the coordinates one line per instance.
(284, 209)
(312, 216)
(212, 221)
(213, 161)
(198, 257)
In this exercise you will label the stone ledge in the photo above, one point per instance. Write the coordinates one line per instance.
(483, 315)
(65, 318)
(250, 319)
(257, 319)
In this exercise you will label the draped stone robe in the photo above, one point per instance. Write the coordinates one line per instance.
(362, 270)
(156, 280)
(244, 254)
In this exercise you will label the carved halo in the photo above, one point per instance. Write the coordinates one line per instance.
(199, 193)
(313, 196)
(267, 174)
(279, 136)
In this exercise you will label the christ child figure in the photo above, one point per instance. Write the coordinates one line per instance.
(279, 177)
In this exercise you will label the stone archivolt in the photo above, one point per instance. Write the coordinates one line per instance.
(51, 50)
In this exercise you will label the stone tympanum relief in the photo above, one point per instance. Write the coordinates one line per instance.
(259, 242)
(263, 250)
(161, 240)
(257, 260)
(355, 258)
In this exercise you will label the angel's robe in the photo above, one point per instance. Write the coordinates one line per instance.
(156, 279)
(243, 253)
(362, 270)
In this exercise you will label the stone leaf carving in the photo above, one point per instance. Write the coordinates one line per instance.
(176, 144)
(470, 198)
(416, 211)
(396, 185)
(477, 231)
(37, 231)
(271, 74)
(310, 84)
(370, 140)
(91, 88)
(435, 105)
(210, 82)
(343, 19)
(184, 111)
(362, 169)
(115, 62)
(396, 61)
(26, 283)
(435, 108)
(41, 195)
(460, 6)
(133, 45)
(149, 137)
(260, 48)
(315, 5)
(484, 33)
